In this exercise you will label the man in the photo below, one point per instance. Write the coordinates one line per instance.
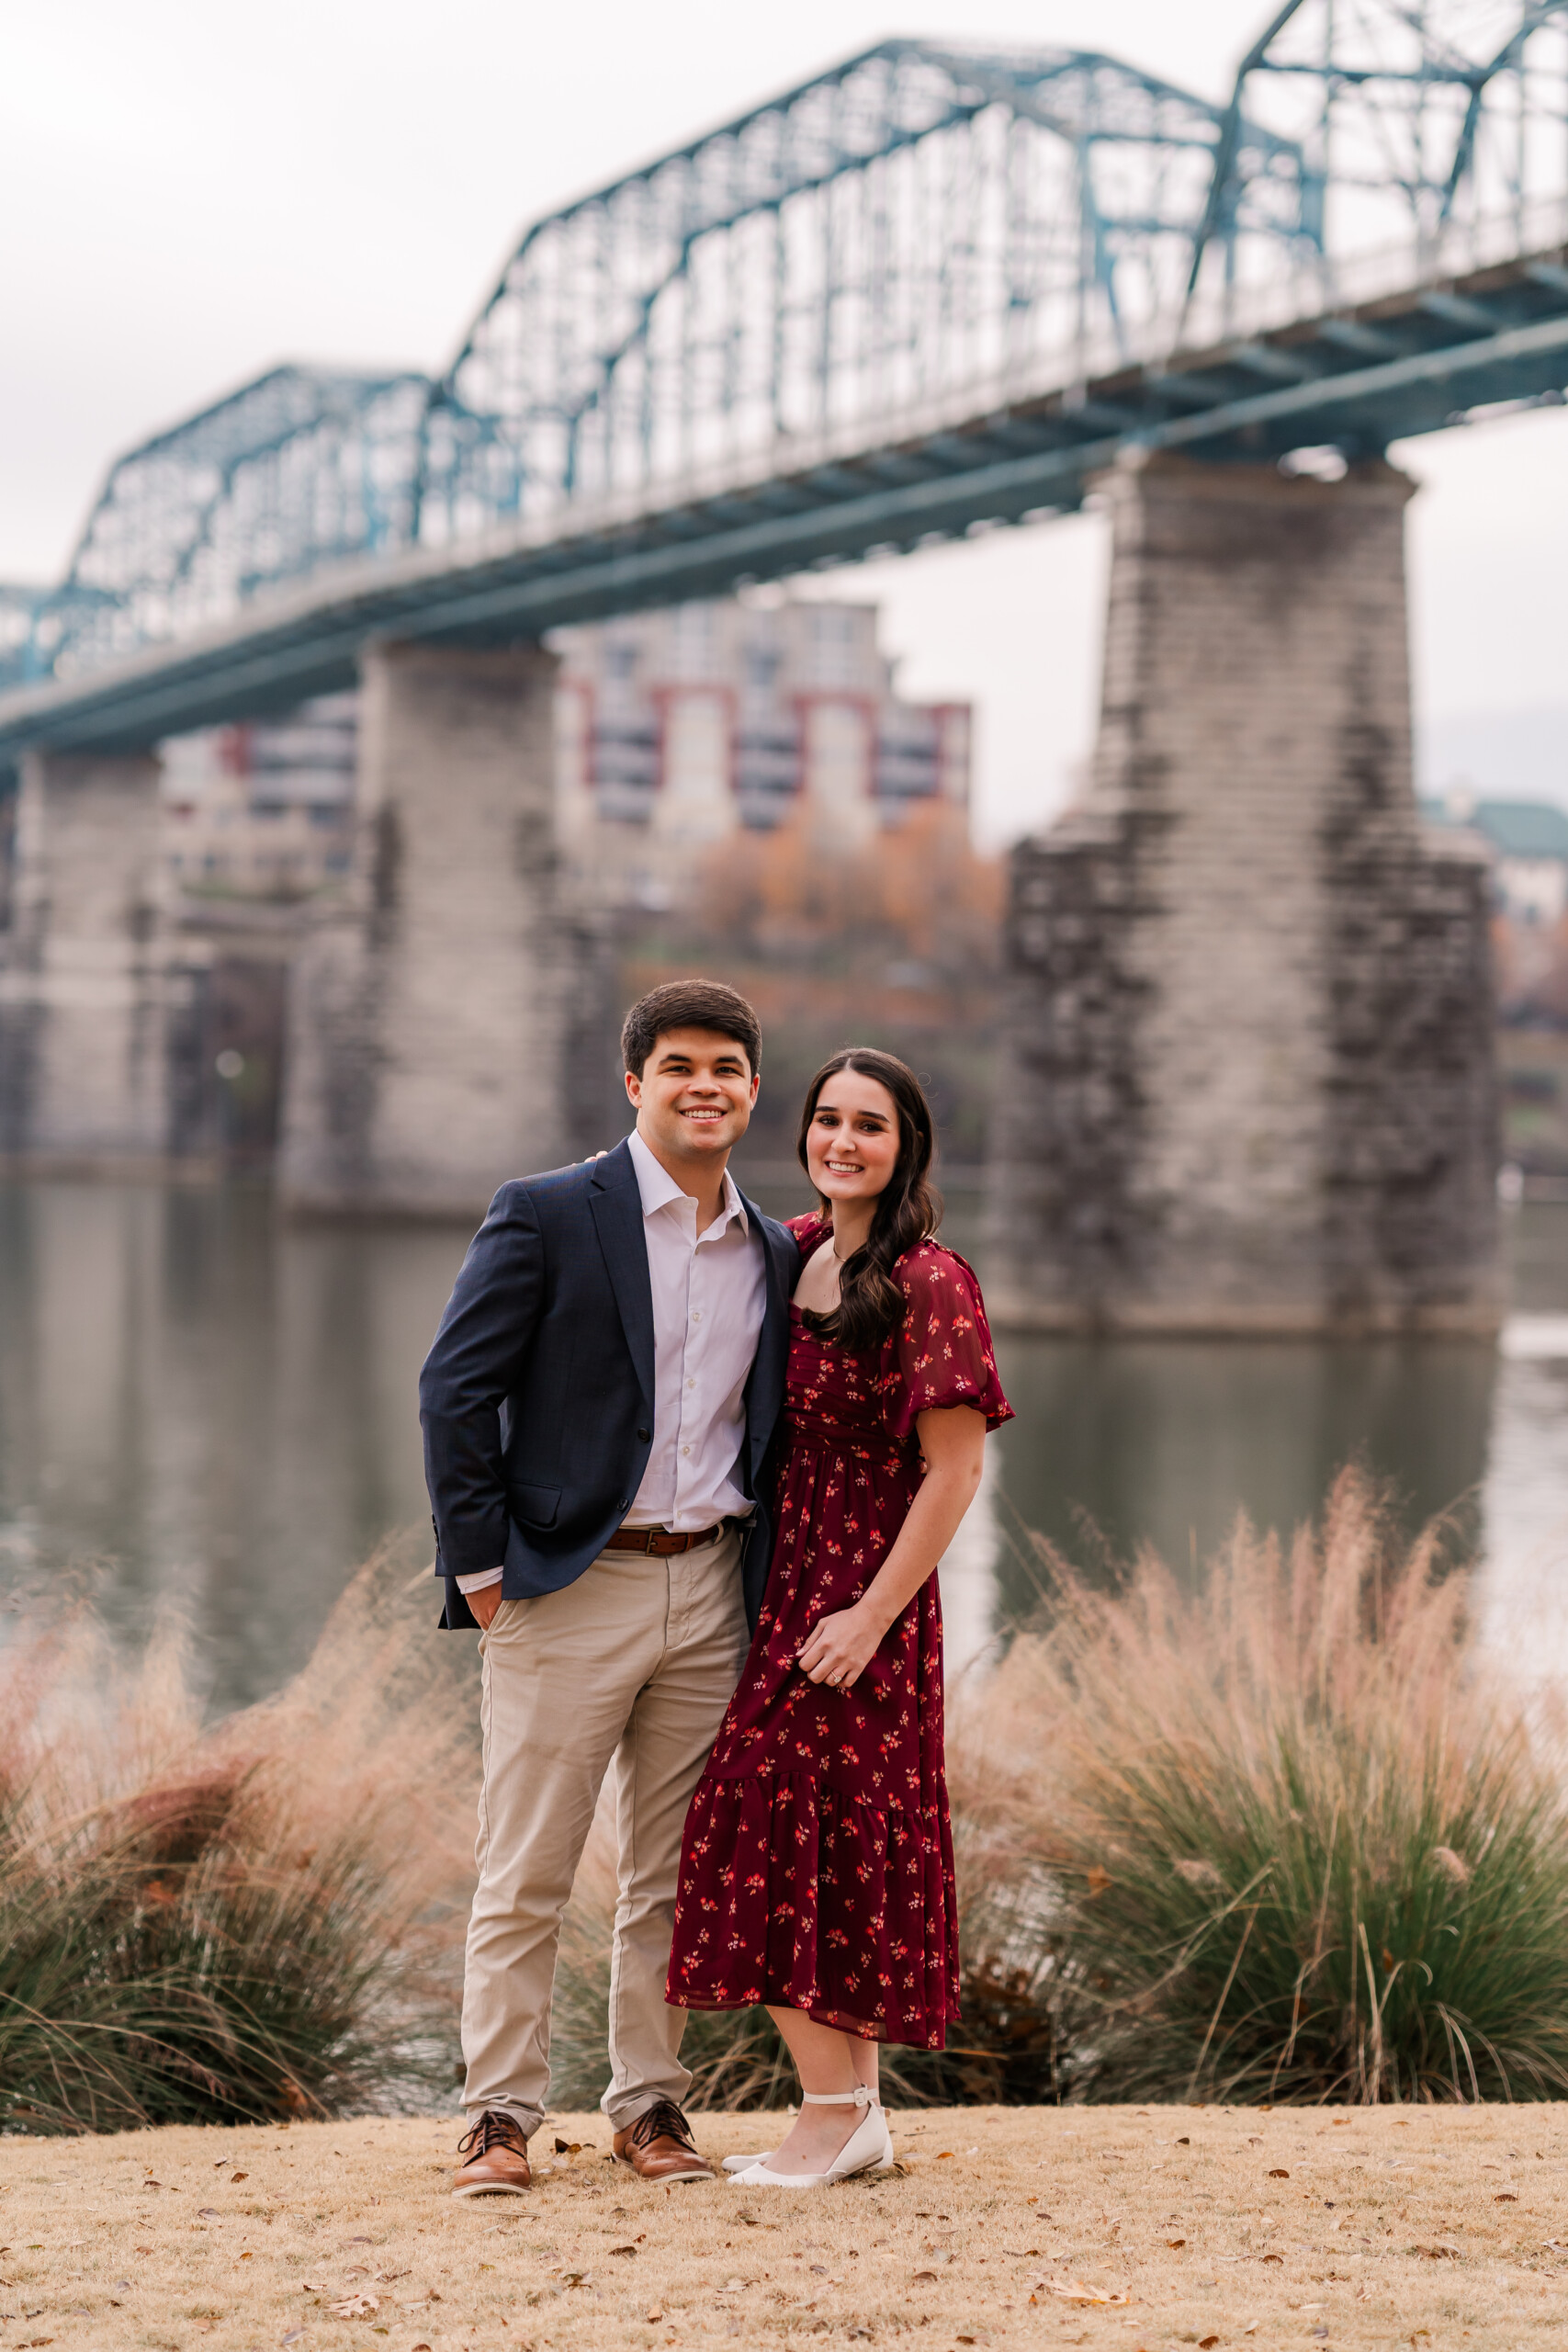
(597, 1407)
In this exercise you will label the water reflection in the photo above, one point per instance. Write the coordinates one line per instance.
(1121, 1442)
(197, 1401)
(215, 1407)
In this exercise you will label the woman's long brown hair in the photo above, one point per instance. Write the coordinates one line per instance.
(871, 1305)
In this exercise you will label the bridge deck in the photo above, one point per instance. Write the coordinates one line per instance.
(1358, 378)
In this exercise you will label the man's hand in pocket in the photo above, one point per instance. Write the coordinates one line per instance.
(484, 1604)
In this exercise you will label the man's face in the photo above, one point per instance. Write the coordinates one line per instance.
(694, 1097)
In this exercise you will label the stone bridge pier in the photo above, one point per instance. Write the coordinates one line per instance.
(432, 1009)
(1247, 1080)
(102, 1009)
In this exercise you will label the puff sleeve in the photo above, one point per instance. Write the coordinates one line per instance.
(941, 1354)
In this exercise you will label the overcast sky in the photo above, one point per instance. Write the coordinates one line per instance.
(190, 192)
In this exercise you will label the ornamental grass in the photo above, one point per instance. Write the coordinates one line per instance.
(229, 1923)
(1287, 1836)
(1296, 1839)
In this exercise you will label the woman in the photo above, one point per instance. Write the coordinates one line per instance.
(817, 1871)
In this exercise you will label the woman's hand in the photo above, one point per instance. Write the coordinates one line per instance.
(838, 1648)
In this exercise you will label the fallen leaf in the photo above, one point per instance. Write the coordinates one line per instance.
(357, 2307)
(651, 2315)
(931, 2273)
(207, 2213)
(1273, 2257)
(569, 2147)
(245, 2257)
(1072, 2291)
(622, 2249)
(1184, 2142)
(1207, 2343)
(236, 2176)
(942, 2154)
(1097, 1880)
(1175, 2242)
(1278, 2172)
(1504, 2197)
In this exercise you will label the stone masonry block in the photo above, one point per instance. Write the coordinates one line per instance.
(1246, 1080)
(432, 1007)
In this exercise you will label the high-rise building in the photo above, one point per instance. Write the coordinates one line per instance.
(265, 810)
(676, 727)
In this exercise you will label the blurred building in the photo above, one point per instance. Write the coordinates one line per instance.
(680, 728)
(1528, 843)
(262, 810)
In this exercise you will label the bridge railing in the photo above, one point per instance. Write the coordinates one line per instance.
(926, 237)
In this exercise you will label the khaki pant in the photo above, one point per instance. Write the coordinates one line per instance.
(636, 1661)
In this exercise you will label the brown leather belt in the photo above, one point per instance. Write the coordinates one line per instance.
(660, 1542)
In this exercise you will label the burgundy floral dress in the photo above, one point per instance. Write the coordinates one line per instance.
(816, 1867)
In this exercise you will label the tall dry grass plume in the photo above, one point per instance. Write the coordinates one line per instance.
(1284, 1837)
(1288, 1836)
(256, 1918)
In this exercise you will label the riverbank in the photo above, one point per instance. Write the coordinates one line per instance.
(1143, 2228)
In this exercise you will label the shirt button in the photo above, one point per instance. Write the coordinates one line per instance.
(685, 1449)
(696, 1315)
(691, 1384)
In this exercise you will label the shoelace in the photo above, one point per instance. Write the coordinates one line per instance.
(491, 2130)
(660, 2122)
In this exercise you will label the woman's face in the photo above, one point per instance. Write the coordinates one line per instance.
(851, 1145)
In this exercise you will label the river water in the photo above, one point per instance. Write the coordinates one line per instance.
(202, 1403)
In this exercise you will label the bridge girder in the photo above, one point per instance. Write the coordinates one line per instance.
(934, 286)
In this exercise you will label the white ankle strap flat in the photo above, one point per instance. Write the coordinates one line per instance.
(862, 2096)
(868, 2145)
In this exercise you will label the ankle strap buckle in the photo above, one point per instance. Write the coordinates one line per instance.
(861, 2095)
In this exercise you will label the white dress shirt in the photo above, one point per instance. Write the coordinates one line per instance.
(709, 1292)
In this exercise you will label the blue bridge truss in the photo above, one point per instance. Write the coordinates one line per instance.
(934, 288)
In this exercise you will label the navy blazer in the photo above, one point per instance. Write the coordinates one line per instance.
(537, 1396)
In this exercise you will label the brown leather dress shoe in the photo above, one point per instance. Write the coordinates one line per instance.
(658, 2146)
(497, 2157)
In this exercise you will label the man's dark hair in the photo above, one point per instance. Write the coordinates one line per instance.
(689, 1004)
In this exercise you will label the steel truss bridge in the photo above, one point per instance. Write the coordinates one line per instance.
(936, 289)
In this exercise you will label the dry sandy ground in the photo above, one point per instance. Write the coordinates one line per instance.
(1111, 2227)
